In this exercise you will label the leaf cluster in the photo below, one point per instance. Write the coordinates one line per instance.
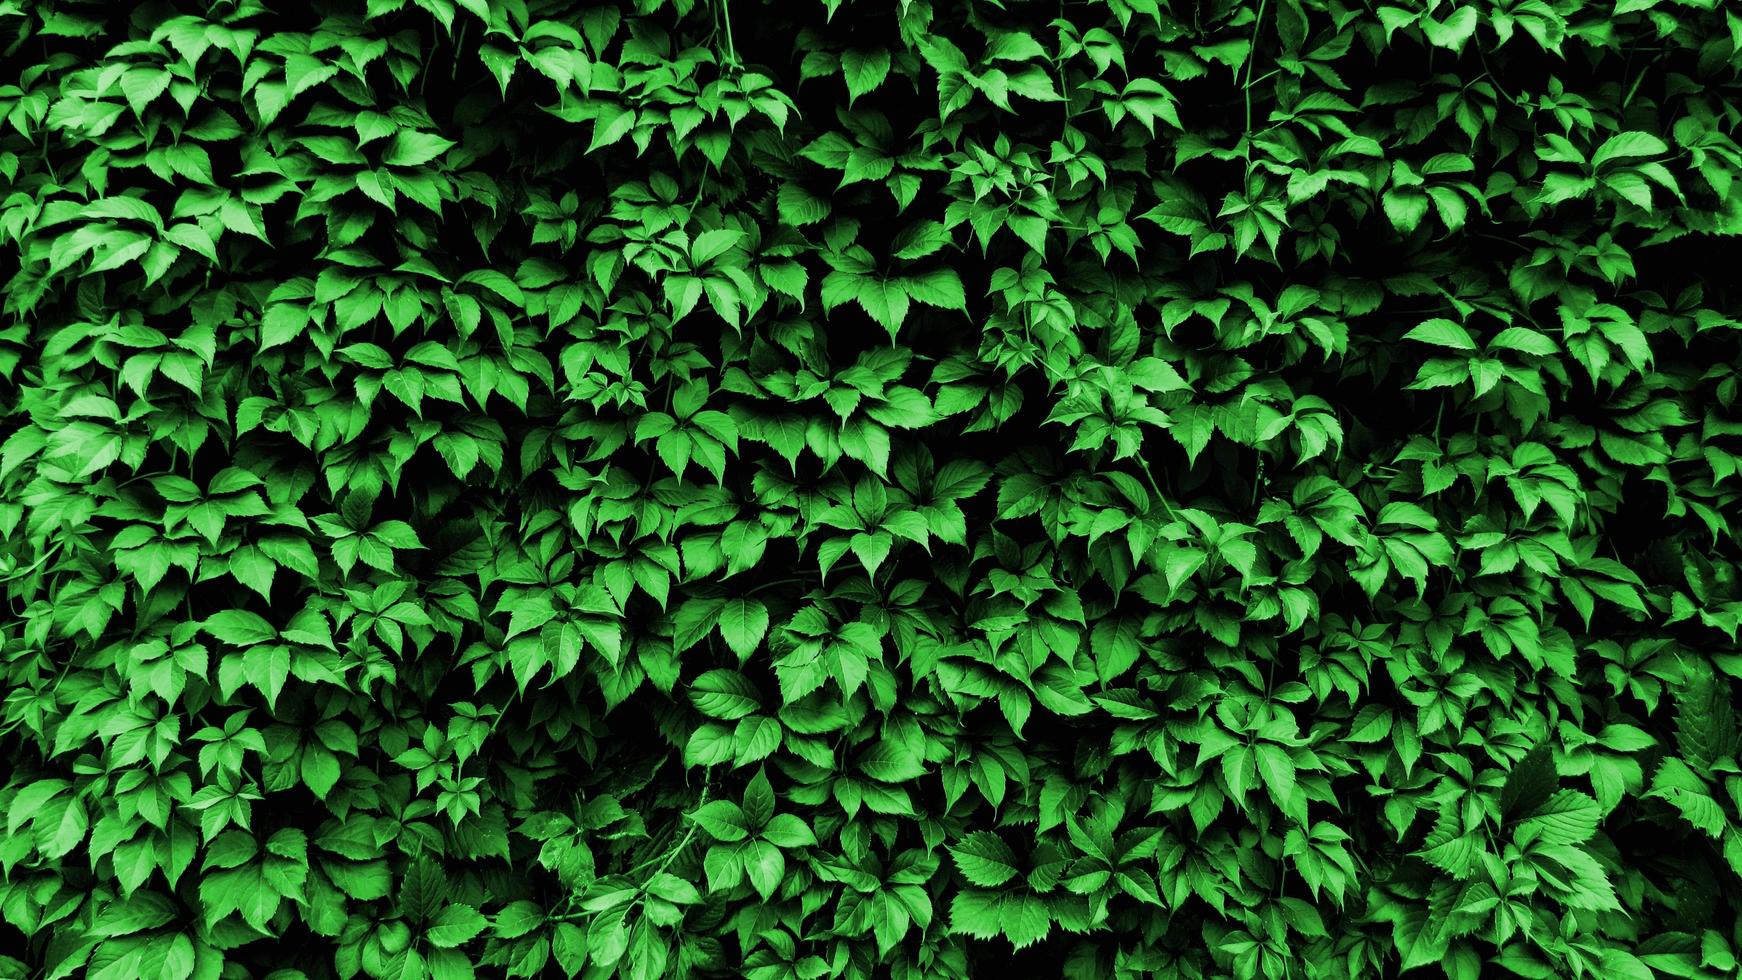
(831, 488)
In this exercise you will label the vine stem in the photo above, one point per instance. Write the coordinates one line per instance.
(459, 42)
(53, 549)
(726, 18)
(769, 585)
(671, 855)
(668, 857)
(1155, 488)
(1246, 85)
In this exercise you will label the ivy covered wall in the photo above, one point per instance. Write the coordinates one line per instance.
(870, 489)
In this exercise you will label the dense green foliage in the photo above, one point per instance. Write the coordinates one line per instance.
(840, 488)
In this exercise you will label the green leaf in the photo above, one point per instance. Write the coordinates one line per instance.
(1406, 207)
(1453, 32)
(788, 278)
(723, 820)
(414, 149)
(1530, 783)
(1024, 920)
(918, 240)
(743, 624)
(1568, 817)
(1277, 772)
(724, 694)
(137, 913)
(941, 288)
(239, 628)
(765, 866)
(518, 919)
(320, 770)
(976, 914)
(457, 925)
(1443, 333)
(1155, 374)
(758, 801)
(884, 302)
(788, 831)
(985, 860)
(865, 70)
(1623, 146)
(890, 763)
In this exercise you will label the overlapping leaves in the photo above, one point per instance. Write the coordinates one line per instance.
(935, 489)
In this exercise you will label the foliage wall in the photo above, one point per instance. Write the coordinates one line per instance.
(837, 488)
